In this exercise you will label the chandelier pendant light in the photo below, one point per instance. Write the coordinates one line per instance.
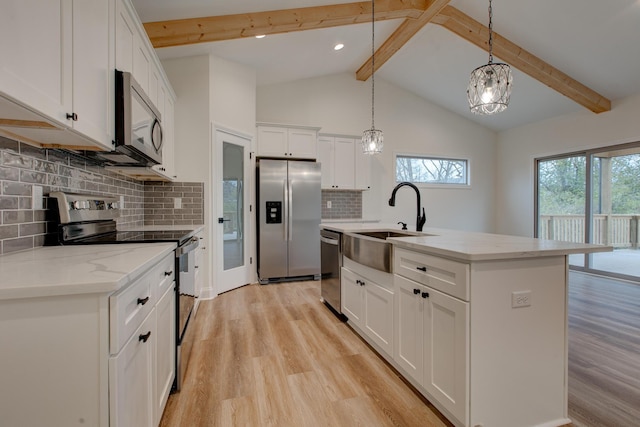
(372, 139)
(490, 85)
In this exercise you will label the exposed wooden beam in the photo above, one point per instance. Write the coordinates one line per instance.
(466, 27)
(217, 28)
(400, 37)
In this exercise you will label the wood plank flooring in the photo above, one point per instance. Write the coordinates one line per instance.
(604, 352)
(275, 356)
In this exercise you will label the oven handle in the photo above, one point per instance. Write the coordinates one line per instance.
(187, 247)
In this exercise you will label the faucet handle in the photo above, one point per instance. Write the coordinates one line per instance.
(404, 225)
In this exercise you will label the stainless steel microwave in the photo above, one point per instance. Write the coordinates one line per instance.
(138, 126)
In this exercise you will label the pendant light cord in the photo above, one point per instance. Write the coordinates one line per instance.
(490, 33)
(373, 61)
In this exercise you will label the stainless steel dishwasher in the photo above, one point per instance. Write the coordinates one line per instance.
(331, 262)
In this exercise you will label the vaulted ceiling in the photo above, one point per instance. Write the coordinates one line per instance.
(569, 56)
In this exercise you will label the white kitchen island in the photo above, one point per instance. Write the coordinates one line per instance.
(479, 321)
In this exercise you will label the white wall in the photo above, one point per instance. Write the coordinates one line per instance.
(517, 149)
(209, 90)
(340, 104)
(233, 96)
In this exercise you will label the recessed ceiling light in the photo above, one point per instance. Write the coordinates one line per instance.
(261, 36)
(338, 46)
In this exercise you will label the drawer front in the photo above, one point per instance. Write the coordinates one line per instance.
(447, 276)
(164, 275)
(128, 308)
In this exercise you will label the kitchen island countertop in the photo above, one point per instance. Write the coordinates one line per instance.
(71, 270)
(471, 246)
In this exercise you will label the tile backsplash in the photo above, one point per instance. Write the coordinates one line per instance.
(345, 204)
(160, 200)
(23, 168)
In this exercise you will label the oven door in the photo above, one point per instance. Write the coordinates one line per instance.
(186, 266)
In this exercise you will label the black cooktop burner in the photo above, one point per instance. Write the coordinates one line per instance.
(178, 236)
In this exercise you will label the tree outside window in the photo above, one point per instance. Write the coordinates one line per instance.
(431, 170)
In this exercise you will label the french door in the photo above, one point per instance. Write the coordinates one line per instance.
(593, 197)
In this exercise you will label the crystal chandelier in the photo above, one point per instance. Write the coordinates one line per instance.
(372, 139)
(490, 85)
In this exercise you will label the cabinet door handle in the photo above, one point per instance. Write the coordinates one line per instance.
(144, 337)
(422, 269)
(72, 116)
(168, 273)
(416, 291)
(143, 301)
(425, 295)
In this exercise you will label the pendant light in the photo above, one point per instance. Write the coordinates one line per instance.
(490, 85)
(372, 139)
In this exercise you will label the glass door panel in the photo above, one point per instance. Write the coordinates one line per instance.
(233, 206)
(561, 201)
(615, 211)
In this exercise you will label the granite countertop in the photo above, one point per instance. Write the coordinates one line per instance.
(71, 270)
(472, 246)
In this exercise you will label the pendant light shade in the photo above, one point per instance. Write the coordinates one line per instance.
(490, 85)
(372, 139)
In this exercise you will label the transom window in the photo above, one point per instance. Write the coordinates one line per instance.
(432, 170)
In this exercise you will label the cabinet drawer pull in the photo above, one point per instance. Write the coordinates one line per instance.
(143, 301)
(144, 337)
(422, 269)
(416, 291)
(72, 116)
(425, 295)
(168, 273)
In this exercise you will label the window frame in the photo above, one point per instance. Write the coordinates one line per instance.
(467, 161)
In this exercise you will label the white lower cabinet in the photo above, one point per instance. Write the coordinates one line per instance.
(165, 351)
(94, 359)
(369, 305)
(432, 343)
(131, 375)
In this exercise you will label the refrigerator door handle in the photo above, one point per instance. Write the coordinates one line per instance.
(285, 210)
(290, 208)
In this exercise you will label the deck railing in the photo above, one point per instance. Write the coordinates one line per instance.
(619, 231)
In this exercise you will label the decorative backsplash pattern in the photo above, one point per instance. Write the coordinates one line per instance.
(23, 167)
(160, 199)
(345, 204)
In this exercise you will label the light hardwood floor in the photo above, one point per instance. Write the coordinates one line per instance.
(604, 352)
(275, 356)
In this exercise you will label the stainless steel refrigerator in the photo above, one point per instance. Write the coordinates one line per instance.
(289, 211)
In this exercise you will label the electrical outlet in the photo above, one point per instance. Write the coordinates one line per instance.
(36, 197)
(121, 202)
(328, 204)
(177, 203)
(520, 299)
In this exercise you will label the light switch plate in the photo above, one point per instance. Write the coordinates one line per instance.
(177, 203)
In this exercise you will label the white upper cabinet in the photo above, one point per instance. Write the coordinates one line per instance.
(338, 162)
(55, 72)
(287, 142)
(344, 166)
(363, 167)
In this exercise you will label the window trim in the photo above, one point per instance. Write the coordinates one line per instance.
(467, 160)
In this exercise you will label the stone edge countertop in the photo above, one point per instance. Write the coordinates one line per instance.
(471, 246)
(72, 270)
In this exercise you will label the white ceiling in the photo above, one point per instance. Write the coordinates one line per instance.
(596, 42)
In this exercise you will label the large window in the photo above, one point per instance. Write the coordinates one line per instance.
(432, 170)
